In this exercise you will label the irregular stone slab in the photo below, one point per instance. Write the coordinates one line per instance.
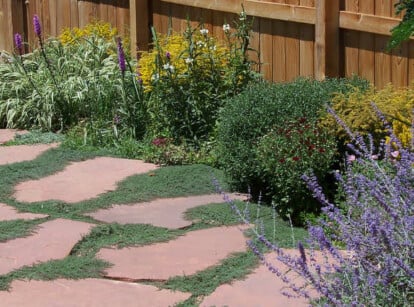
(81, 180)
(165, 212)
(261, 289)
(8, 213)
(53, 240)
(264, 288)
(9, 134)
(193, 252)
(19, 153)
(87, 293)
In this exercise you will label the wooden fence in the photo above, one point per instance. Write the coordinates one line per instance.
(294, 38)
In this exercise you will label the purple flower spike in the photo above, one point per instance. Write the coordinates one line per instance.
(36, 26)
(168, 55)
(121, 57)
(18, 42)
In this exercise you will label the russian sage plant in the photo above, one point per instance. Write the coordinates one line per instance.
(367, 238)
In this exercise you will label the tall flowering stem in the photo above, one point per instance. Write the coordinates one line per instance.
(19, 43)
(131, 109)
(121, 57)
(37, 29)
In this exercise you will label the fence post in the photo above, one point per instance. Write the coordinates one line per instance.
(11, 22)
(139, 25)
(327, 39)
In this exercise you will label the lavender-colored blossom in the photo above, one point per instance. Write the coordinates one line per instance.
(168, 55)
(36, 26)
(374, 223)
(19, 43)
(121, 57)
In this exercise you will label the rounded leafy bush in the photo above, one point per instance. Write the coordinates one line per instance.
(287, 152)
(261, 107)
(357, 113)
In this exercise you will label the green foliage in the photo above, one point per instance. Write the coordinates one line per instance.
(36, 137)
(356, 111)
(120, 236)
(188, 76)
(71, 267)
(287, 152)
(405, 28)
(17, 228)
(248, 117)
(61, 85)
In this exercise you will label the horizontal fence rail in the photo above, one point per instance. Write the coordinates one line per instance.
(318, 38)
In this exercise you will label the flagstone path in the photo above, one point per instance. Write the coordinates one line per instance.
(9, 213)
(168, 213)
(122, 284)
(87, 293)
(53, 240)
(20, 153)
(9, 134)
(81, 180)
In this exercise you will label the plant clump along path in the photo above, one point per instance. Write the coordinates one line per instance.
(83, 229)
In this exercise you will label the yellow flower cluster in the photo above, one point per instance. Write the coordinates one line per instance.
(356, 111)
(172, 56)
(100, 29)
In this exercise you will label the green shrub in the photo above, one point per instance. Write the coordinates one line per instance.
(189, 76)
(287, 152)
(60, 85)
(249, 116)
(356, 111)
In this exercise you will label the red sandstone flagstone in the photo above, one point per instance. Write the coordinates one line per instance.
(9, 134)
(263, 288)
(19, 153)
(87, 293)
(165, 212)
(8, 213)
(81, 180)
(52, 240)
(188, 254)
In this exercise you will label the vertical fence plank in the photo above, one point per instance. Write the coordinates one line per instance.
(366, 45)
(306, 45)
(292, 44)
(177, 15)
(156, 14)
(103, 12)
(52, 15)
(74, 13)
(351, 41)
(139, 25)
(63, 20)
(279, 51)
(266, 43)
(5, 17)
(382, 59)
(399, 64)
(327, 39)
(253, 53)
(112, 14)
